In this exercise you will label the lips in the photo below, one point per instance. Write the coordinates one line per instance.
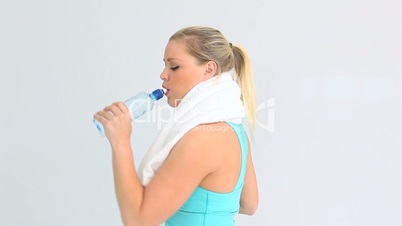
(166, 90)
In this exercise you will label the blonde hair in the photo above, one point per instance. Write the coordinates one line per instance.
(208, 44)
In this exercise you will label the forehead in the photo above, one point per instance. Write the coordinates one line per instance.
(175, 49)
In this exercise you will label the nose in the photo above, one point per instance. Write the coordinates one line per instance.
(164, 75)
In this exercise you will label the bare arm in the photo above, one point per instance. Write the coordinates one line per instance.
(249, 194)
(175, 181)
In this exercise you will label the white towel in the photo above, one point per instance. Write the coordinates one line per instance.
(214, 100)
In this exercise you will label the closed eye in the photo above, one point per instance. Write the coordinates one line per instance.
(174, 68)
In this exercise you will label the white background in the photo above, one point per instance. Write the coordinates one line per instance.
(328, 72)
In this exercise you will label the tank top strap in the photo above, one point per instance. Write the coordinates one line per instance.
(241, 135)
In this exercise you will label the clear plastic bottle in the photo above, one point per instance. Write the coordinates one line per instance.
(137, 106)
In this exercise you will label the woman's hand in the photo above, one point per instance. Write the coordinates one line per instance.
(116, 121)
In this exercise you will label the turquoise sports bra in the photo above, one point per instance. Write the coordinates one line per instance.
(208, 208)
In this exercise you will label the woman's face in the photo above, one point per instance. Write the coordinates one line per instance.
(182, 72)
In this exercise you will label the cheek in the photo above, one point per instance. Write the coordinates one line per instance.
(181, 85)
(185, 86)
(179, 90)
(173, 102)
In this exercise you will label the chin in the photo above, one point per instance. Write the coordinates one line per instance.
(173, 102)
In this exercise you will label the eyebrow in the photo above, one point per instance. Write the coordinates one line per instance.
(170, 59)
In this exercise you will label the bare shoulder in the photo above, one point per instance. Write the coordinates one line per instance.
(216, 128)
(201, 141)
(199, 151)
(210, 134)
(210, 142)
(207, 138)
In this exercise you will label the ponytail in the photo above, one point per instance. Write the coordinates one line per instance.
(246, 82)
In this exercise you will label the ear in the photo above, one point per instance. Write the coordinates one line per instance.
(210, 69)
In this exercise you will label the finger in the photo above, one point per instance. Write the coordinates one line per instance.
(103, 115)
(118, 108)
(114, 109)
(122, 106)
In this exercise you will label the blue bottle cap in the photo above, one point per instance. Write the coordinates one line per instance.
(157, 94)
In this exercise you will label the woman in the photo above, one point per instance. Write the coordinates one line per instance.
(207, 174)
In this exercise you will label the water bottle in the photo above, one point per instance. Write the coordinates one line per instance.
(137, 106)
